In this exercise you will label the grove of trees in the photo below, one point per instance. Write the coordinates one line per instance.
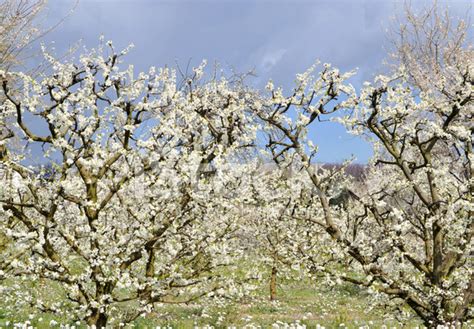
(125, 190)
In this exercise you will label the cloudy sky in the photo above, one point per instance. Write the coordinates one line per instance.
(278, 39)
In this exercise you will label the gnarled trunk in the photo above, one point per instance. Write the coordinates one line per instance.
(97, 319)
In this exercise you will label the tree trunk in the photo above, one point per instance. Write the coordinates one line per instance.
(273, 283)
(445, 323)
(97, 319)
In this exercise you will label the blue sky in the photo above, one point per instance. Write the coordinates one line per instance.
(276, 38)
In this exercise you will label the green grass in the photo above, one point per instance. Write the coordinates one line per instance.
(298, 301)
(307, 302)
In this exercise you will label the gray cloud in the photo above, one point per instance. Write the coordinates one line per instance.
(278, 38)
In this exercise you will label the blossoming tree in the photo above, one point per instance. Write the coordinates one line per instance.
(277, 238)
(128, 204)
(408, 234)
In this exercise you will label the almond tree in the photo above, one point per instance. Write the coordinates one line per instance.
(274, 233)
(17, 28)
(129, 204)
(421, 122)
(408, 234)
(286, 120)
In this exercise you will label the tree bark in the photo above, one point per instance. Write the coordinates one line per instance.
(273, 283)
(97, 319)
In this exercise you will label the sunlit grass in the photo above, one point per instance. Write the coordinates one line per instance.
(307, 303)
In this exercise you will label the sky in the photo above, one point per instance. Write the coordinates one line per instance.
(277, 39)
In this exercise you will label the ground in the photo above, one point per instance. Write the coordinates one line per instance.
(300, 302)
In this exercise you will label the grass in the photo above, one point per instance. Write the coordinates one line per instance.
(304, 302)
(300, 302)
